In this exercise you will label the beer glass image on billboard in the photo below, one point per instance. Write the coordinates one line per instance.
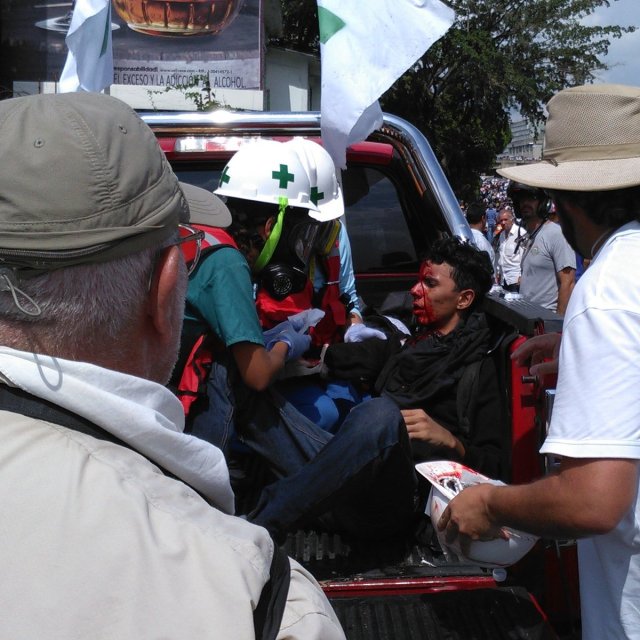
(178, 17)
(32, 41)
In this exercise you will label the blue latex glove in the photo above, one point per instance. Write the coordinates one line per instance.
(359, 332)
(297, 341)
(303, 320)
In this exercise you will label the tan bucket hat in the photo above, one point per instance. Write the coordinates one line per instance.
(591, 141)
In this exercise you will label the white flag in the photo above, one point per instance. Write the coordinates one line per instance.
(89, 65)
(365, 47)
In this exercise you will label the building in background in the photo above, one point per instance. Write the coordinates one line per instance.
(525, 145)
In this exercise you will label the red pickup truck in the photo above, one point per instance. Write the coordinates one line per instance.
(397, 201)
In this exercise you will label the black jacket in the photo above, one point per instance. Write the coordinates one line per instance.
(425, 374)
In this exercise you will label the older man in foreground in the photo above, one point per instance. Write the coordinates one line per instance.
(115, 523)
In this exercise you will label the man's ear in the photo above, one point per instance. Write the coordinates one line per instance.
(465, 299)
(268, 225)
(165, 284)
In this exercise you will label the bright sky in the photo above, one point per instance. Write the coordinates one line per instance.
(624, 54)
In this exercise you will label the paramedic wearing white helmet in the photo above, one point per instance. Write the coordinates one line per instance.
(268, 190)
(286, 201)
(300, 263)
(220, 304)
(259, 183)
(591, 169)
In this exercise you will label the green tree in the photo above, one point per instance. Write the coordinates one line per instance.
(299, 26)
(499, 55)
(197, 90)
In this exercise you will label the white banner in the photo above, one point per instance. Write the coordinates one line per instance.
(365, 47)
(89, 65)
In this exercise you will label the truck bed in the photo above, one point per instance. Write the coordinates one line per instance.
(480, 614)
(404, 587)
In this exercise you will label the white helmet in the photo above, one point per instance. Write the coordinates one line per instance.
(448, 479)
(267, 171)
(326, 192)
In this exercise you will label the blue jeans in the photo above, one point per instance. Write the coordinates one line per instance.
(212, 418)
(363, 476)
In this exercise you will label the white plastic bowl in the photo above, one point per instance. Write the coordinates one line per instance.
(448, 479)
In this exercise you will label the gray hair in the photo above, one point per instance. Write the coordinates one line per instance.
(80, 305)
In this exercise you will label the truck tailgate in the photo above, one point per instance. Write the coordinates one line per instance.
(479, 614)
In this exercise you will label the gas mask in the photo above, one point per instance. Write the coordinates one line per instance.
(286, 259)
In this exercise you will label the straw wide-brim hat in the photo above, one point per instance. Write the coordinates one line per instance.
(591, 141)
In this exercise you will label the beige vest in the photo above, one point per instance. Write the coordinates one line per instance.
(97, 543)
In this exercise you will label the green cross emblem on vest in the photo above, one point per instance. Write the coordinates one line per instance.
(316, 195)
(283, 176)
(224, 178)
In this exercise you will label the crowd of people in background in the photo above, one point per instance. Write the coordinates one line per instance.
(518, 228)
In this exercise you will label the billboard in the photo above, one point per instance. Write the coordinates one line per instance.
(155, 42)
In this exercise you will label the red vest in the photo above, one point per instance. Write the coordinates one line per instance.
(202, 353)
(331, 328)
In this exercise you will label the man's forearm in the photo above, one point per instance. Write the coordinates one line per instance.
(543, 508)
(257, 366)
(563, 299)
(565, 287)
(569, 503)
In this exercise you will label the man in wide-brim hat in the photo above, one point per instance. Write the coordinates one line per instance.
(591, 170)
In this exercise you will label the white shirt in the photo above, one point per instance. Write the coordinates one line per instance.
(596, 414)
(483, 244)
(510, 254)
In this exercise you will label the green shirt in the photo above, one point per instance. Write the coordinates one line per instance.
(221, 293)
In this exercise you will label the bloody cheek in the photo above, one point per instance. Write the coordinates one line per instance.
(425, 314)
(428, 315)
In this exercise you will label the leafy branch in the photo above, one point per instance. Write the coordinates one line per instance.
(197, 90)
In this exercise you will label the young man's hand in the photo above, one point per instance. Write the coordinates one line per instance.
(421, 426)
